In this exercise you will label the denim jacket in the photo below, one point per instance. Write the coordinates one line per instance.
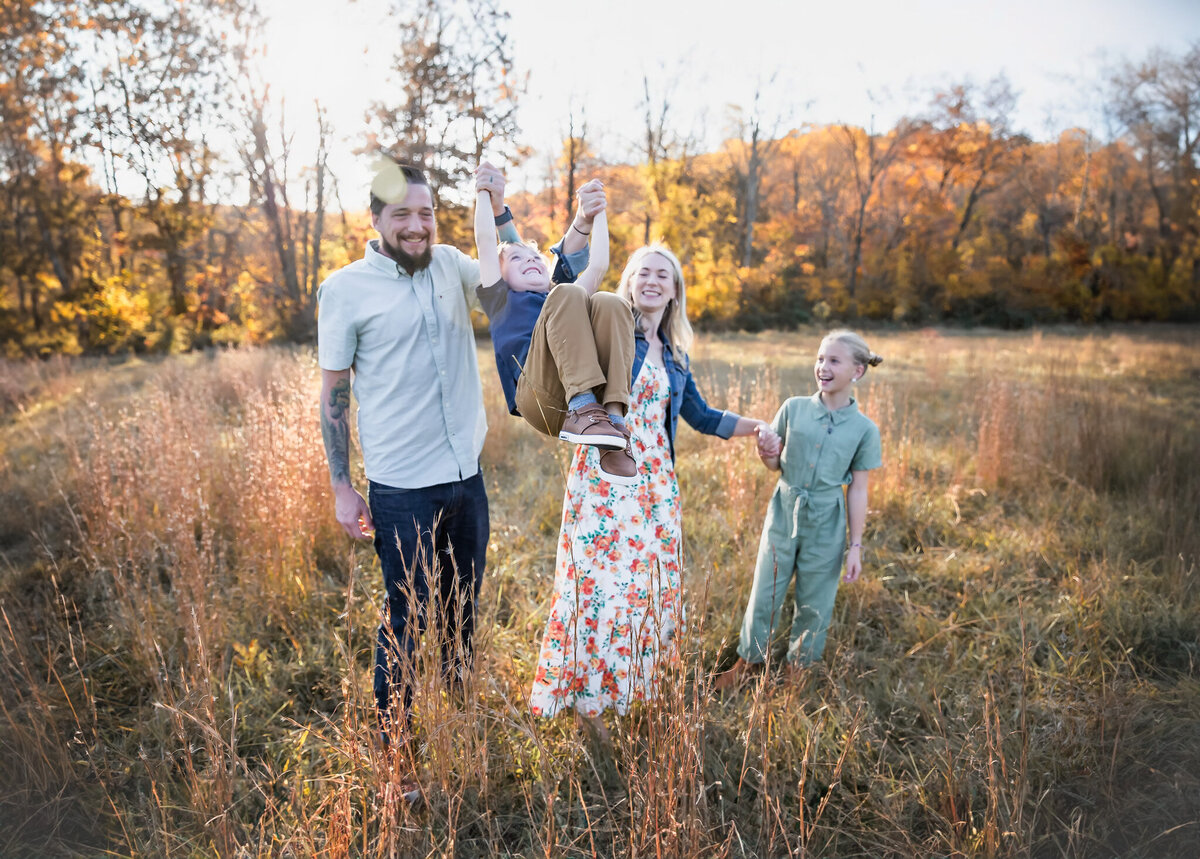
(685, 396)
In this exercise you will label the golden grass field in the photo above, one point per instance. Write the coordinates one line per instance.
(186, 636)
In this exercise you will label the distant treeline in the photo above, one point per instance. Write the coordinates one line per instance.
(125, 132)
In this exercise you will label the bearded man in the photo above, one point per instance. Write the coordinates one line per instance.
(395, 327)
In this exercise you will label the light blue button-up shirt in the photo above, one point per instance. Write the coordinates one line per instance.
(410, 344)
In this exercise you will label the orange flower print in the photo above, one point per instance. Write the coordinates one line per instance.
(616, 573)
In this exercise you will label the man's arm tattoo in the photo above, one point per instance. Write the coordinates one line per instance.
(335, 427)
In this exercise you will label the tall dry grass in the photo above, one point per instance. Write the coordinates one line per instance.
(187, 638)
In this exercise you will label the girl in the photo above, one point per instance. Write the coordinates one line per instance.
(824, 444)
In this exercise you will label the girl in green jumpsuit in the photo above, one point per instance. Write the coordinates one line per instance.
(820, 444)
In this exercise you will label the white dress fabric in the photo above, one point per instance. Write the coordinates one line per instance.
(617, 584)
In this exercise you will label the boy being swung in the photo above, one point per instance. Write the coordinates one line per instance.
(564, 351)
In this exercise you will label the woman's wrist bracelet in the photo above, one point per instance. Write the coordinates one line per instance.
(576, 229)
(853, 545)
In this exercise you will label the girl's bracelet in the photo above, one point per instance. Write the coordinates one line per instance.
(581, 232)
(852, 545)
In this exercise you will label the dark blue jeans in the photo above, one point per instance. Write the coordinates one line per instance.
(431, 544)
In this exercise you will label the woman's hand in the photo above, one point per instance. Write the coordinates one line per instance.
(770, 445)
(592, 201)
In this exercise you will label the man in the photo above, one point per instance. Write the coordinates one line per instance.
(400, 320)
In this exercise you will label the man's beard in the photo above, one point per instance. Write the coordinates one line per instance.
(407, 261)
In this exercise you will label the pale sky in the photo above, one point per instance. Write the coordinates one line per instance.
(814, 62)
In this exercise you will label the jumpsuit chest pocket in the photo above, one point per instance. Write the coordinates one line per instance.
(819, 455)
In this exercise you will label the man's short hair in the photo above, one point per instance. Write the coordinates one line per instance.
(412, 175)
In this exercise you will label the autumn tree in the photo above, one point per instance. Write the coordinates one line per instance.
(45, 212)
(869, 157)
(457, 98)
(575, 155)
(972, 140)
(294, 233)
(755, 141)
(1156, 105)
(163, 82)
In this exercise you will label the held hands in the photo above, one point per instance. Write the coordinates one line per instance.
(770, 445)
(592, 201)
(489, 178)
(352, 512)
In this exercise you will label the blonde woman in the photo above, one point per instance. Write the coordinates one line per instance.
(617, 600)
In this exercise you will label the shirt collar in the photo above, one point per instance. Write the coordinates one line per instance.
(376, 259)
(822, 412)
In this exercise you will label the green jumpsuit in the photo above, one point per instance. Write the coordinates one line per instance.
(805, 531)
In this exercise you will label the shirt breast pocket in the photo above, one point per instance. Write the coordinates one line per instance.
(838, 450)
(452, 310)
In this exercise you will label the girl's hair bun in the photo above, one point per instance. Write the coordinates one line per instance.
(859, 350)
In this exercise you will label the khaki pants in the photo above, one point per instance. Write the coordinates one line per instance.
(580, 343)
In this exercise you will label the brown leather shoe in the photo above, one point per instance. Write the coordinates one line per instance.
(619, 466)
(592, 425)
(737, 674)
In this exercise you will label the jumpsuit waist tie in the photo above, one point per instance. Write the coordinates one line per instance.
(800, 498)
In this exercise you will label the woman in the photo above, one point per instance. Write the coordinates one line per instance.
(617, 600)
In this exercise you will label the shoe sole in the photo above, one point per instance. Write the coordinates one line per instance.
(619, 479)
(608, 442)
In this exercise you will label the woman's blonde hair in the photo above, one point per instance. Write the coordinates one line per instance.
(859, 350)
(674, 326)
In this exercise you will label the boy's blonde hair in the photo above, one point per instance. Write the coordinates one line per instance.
(675, 326)
(531, 244)
(859, 350)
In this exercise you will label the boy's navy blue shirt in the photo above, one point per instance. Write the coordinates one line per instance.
(511, 317)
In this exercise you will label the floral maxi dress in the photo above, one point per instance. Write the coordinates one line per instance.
(617, 598)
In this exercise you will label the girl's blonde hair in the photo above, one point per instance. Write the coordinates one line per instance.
(674, 326)
(859, 350)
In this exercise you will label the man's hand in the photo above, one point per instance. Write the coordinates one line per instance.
(353, 513)
(592, 201)
(489, 178)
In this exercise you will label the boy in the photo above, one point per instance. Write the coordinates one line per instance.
(564, 351)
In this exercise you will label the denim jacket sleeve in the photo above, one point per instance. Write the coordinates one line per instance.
(568, 266)
(700, 415)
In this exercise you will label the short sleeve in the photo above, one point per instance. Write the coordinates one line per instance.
(870, 451)
(780, 421)
(337, 338)
(468, 273)
(494, 298)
